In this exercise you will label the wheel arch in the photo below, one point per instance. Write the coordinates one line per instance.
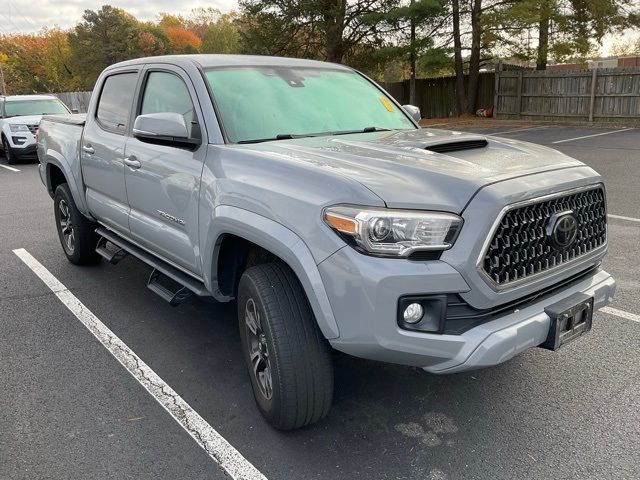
(57, 168)
(251, 229)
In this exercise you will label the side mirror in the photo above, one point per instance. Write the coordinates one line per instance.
(165, 127)
(413, 111)
(75, 110)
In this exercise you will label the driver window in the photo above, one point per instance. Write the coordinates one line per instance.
(167, 93)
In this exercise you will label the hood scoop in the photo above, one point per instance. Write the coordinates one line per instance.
(457, 145)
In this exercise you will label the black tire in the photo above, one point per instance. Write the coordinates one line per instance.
(81, 249)
(294, 350)
(8, 155)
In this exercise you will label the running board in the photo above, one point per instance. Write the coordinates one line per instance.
(186, 285)
(172, 292)
(110, 255)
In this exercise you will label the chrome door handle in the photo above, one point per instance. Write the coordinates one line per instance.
(132, 162)
(88, 149)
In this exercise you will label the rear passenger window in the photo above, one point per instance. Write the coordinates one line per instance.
(167, 93)
(116, 99)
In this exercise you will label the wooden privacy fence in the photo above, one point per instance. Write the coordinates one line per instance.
(436, 96)
(75, 100)
(603, 95)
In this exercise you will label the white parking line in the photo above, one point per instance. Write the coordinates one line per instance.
(628, 219)
(9, 168)
(621, 313)
(523, 129)
(594, 135)
(204, 434)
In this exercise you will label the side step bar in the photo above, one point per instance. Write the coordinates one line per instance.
(184, 285)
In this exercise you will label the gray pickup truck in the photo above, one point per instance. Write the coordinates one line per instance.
(310, 197)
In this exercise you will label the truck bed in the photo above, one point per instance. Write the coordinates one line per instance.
(78, 119)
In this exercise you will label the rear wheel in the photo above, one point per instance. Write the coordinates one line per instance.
(76, 232)
(289, 360)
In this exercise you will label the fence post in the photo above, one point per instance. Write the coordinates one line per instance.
(496, 93)
(592, 103)
(519, 100)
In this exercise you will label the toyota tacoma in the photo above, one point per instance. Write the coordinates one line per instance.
(307, 195)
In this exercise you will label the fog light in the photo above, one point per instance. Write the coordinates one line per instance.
(413, 313)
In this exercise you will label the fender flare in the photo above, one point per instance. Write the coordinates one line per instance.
(53, 158)
(279, 240)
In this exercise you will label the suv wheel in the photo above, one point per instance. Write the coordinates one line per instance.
(7, 152)
(289, 360)
(76, 232)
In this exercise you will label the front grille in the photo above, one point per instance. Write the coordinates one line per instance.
(522, 246)
(33, 129)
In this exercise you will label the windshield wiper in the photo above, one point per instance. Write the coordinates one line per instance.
(290, 136)
(280, 136)
(363, 130)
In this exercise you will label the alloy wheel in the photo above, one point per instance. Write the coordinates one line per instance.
(66, 226)
(258, 352)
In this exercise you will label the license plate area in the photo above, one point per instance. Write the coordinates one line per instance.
(570, 318)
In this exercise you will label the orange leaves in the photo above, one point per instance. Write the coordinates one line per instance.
(182, 40)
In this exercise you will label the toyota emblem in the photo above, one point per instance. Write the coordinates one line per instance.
(562, 229)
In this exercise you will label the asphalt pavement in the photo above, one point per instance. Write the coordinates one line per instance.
(69, 409)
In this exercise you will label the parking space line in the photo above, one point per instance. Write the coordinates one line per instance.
(594, 135)
(628, 219)
(621, 313)
(523, 129)
(9, 168)
(216, 446)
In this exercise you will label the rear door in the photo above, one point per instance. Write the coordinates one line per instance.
(102, 150)
(164, 186)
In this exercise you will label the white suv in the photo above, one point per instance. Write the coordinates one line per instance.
(20, 116)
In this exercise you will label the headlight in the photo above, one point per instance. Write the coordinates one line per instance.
(18, 128)
(394, 233)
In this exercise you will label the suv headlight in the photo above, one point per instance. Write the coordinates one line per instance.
(394, 233)
(18, 128)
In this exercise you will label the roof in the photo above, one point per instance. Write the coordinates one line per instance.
(10, 98)
(209, 61)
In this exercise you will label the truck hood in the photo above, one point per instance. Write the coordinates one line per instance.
(425, 168)
(24, 120)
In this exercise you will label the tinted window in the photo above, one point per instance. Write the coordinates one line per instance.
(116, 99)
(167, 93)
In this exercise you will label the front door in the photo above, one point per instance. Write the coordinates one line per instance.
(102, 151)
(163, 181)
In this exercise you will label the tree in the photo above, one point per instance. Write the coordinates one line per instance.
(324, 29)
(102, 38)
(563, 28)
(222, 36)
(461, 96)
(411, 27)
(182, 40)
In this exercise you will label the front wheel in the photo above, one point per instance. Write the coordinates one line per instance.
(76, 232)
(8, 155)
(289, 360)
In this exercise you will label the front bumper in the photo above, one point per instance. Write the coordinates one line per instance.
(22, 144)
(364, 293)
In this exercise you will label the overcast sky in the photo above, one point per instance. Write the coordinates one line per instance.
(31, 16)
(19, 16)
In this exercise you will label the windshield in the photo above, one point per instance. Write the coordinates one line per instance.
(262, 103)
(15, 108)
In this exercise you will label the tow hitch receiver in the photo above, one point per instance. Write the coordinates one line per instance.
(570, 318)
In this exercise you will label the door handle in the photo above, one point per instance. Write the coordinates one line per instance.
(88, 149)
(132, 162)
